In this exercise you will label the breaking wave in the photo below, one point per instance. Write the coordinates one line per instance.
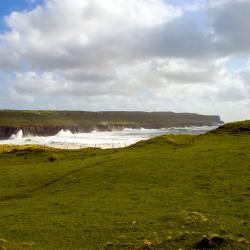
(64, 133)
(18, 135)
(113, 139)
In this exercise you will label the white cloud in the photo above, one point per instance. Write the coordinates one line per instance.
(135, 54)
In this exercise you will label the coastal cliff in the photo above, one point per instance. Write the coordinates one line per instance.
(46, 123)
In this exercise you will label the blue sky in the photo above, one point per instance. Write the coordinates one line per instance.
(8, 6)
(152, 55)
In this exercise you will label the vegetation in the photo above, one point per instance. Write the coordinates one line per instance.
(234, 128)
(12, 118)
(164, 193)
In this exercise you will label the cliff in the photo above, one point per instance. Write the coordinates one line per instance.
(45, 123)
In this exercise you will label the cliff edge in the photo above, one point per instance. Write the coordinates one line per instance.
(46, 123)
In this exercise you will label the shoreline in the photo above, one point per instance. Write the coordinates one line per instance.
(101, 139)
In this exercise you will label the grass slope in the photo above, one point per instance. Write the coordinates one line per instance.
(165, 193)
(233, 128)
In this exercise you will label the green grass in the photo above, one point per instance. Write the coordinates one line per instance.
(76, 119)
(165, 193)
(234, 128)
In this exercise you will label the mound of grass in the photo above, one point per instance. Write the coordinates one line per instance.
(234, 128)
(171, 192)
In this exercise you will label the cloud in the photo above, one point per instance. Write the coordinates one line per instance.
(119, 54)
(230, 25)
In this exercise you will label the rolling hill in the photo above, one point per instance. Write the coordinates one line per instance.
(170, 192)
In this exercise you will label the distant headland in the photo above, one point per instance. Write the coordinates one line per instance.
(46, 123)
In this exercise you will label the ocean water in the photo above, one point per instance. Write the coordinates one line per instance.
(114, 139)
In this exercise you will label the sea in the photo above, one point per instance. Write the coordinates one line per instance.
(113, 139)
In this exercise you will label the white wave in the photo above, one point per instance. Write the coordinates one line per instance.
(18, 135)
(63, 133)
(113, 139)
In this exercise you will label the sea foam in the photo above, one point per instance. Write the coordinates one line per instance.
(109, 139)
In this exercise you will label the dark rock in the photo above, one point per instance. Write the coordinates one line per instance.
(52, 159)
(217, 240)
(205, 243)
(6, 132)
(211, 243)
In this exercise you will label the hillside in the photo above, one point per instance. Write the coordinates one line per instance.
(164, 193)
(50, 122)
(241, 127)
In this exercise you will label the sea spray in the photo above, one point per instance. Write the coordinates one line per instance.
(18, 135)
(64, 133)
(109, 139)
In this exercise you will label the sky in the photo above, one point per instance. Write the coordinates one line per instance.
(149, 55)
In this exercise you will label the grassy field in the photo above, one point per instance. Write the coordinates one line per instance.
(164, 193)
